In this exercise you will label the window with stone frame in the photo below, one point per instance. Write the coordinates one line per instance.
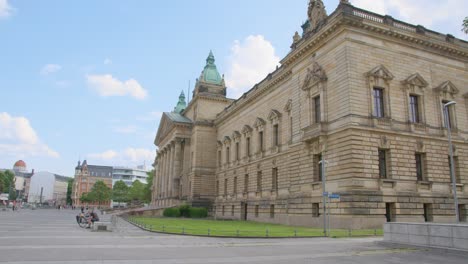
(420, 159)
(247, 147)
(256, 210)
(228, 156)
(247, 132)
(456, 168)
(315, 210)
(383, 163)
(260, 127)
(217, 187)
(274, 179)
(225, 186)
(275, 119)
(235, 185)
(272, 211)
(223, 210)
(318, 167)
(246, 183)
(449, 117)
(237, 151)
(379, 107)
(232, 210)
(415, 116)
(259, 181)
(316, 107)
(219, 158)
(462, 212)
(275, 135)
(379, 80)
(427, 212)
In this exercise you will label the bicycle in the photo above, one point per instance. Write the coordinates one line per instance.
(82, 219)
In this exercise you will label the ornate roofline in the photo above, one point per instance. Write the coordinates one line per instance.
(349, 15)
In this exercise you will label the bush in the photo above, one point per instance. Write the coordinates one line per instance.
(171, 212)
(198, 212)
(185, 210)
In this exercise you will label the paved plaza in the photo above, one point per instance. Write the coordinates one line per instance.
(52, 236)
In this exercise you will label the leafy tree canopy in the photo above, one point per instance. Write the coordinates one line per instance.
(120, 192)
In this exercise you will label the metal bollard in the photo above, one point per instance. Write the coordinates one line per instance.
(375, 232)
(209, 232)
(295, 232)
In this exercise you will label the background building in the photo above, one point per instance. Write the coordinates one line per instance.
(129, 175)
(51, 186)
(22, 180)
(360, 90)
(85, 178)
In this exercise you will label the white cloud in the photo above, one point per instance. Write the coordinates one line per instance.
(126, 157)
(50, 68)
(447, 15)
(18, 138)
(5, 9)
(107, 61)
(106, 85)
(250, 61)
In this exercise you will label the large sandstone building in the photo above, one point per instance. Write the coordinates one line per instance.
(364, 92)
(85, 178)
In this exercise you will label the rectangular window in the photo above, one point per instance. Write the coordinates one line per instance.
(274, 179)
(449, 119)
(414, 109)
(318, 167)
(427, 212)
(219, 158)
(237, 151)
(315, 210)
(232, 210)
(246, 183)
(272, 211)
(223, 210)
(260, 141)
(390, 212)
(419, 157)
(235, 185)
(456, 169)
(225, 186)
(256, 210)
(248, 147)
(378, 102)
(290, 128)
(275, 135)
(462, 212)
(227, 155)
(217, 188)
(382, 163)
(259, 181)
(317, 117)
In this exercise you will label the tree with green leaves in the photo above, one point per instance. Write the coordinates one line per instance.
(69, 191)
(85, 198)
(148, 187)
(100, 192)
(120, 192)
(7, 184)
(465, 25)
(137, 192)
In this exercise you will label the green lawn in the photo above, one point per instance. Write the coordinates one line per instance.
(239, 228)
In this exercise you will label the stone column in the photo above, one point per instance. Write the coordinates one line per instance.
(163, 173)
(177, 165)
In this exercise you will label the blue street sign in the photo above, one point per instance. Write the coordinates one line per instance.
(334, 196)
(325, 193)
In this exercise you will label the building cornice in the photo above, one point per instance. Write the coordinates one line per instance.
(348, 15)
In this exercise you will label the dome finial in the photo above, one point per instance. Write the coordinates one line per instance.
(181, 104)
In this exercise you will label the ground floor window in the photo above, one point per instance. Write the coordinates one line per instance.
(315, 210)
(272, 211)
(390, 212)
(256, 210)
(428, 212)
(462, 211)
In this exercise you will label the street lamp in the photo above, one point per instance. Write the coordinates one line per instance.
(452, 174)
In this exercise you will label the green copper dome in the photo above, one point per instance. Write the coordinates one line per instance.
(181, 105)
(210, 73)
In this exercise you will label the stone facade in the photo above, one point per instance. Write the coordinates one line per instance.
(360, 90)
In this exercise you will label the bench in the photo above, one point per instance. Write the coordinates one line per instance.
(102, 226)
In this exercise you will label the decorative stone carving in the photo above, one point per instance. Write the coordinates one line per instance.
(259, 123)
(446, 88)
(413, 81)
(227, 140)
(288, 106)
(236, 135)
(420, 146)
(314, 76)
(316, 13)
(380, 72)
(384, 142)
(246, 129)
(274, 115)
(296, 37)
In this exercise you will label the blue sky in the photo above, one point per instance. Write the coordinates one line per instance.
(89, 79)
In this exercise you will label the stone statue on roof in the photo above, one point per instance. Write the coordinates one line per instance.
(316, 13)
